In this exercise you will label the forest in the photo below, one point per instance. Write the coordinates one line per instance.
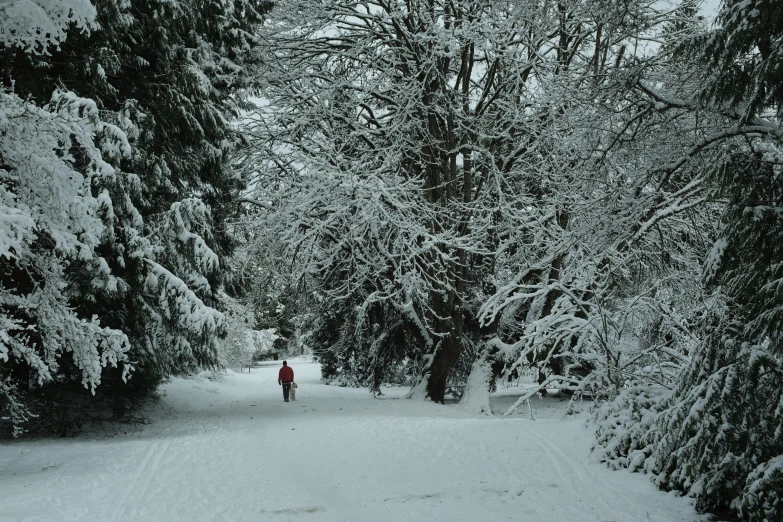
(438, 194)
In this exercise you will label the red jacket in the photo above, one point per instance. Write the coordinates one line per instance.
(286, 374)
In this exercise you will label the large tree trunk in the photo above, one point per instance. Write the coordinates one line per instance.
(445, 358)
(441, 140)
(446, 318)
(482, 376)
(477, 389)
(449, 329)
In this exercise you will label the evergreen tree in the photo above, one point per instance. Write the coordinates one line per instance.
(168, 77)
(720, 437)
(50, 221)
(744, 53)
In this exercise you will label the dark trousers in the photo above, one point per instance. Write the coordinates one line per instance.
(286, 389)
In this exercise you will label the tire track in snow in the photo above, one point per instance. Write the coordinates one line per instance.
(151, 458)
(209, 428)
(581, 479)
(510, 488)
(155, 454)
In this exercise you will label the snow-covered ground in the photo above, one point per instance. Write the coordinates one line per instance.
(233, 450)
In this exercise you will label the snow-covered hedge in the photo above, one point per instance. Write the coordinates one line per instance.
(721, 439)
(625, 427)
(762, 499)
(717, 438)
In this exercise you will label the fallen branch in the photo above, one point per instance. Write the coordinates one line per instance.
(537, 389)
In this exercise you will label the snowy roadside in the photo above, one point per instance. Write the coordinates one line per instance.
(233, 450)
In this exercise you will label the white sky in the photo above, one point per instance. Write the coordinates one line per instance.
(710, 8)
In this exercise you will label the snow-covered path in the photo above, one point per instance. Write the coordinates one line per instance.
(233, 450)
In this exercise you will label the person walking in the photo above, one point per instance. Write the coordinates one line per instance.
(285, 377)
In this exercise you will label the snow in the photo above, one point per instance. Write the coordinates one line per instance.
(233, 450)
(476, 396)
(28, 23)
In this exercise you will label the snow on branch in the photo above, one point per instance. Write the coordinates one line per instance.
(35, 25)
(180, 304)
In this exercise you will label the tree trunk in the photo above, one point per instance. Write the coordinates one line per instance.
(477, 389)
(445, 358)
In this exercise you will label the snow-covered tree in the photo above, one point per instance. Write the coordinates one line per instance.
(418, 158)
(242, 342)
(51, 157)
(148, 192)
(718, 436)
(722, 435)
(613, 297)
(36, 26)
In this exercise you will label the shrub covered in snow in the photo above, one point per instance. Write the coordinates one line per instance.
(722, 436)
(625, 427)
(762, 498)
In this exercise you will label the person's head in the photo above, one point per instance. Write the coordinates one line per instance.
(285, 363)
